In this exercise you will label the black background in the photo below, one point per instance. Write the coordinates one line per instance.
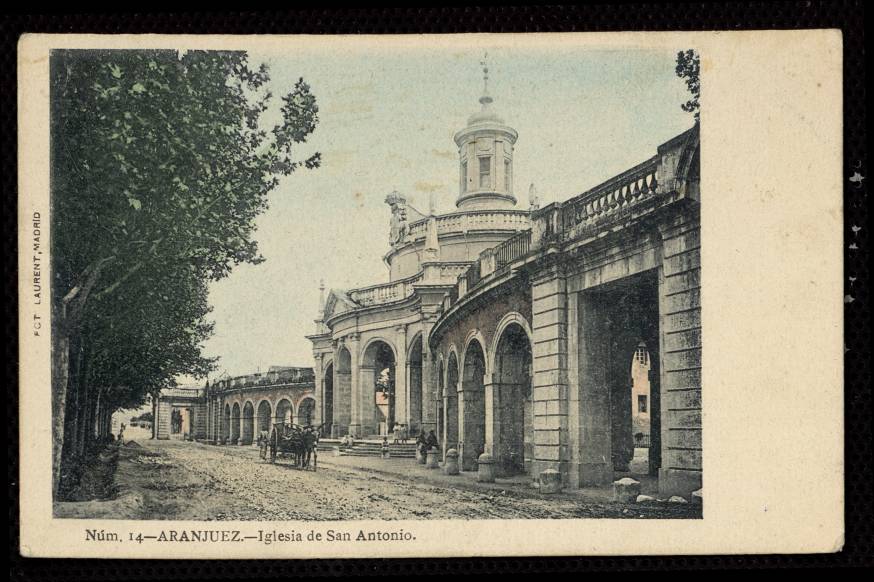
(610, 16)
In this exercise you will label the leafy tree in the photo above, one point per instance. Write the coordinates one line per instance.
(161, 162)
(688, 69)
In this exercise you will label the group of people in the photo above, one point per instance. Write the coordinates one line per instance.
(401, 433)
(424, 442)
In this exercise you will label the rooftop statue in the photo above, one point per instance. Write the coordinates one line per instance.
(398, 225)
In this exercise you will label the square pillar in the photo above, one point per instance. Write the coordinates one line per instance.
(162, 417)
(402, 370)
(355, 389)
(493, 419)
(550, 364)
(680, 356)
(366, 401)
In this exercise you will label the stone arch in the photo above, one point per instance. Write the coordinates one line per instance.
(512, 402)
(508, 319)
(476, 335)
(441, 389)
(248, 429)
(265, 410)
(284, 410)
(367, 345)
(235, 423)
(471, 404)
(450, 398)
(306, 410)
(378, 381)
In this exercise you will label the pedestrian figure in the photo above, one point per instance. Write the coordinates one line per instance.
(397, 433)
(420, 442)
(431, 441)
(121, 434)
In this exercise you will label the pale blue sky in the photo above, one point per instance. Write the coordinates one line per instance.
(387, 121)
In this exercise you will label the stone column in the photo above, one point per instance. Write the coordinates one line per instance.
(592, 399)
(355, 422)
(402, 372)
(318, 388)
(162, 417)
(550, 363)
(366, 401)
(429, 385)
(493, 417)
(680, 355)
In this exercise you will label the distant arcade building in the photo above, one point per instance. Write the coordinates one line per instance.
(235, 410)
(528, 334)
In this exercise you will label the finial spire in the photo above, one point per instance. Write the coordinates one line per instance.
(485, 99)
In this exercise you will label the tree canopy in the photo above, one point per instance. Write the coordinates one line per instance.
(161, 161)
(688, 69)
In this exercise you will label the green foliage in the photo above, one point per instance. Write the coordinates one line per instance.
(161, 163)
(688, 69)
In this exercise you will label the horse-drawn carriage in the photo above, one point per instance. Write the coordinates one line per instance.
(299, 443)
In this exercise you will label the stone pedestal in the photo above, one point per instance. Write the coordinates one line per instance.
(450, 465)
(336, 451)
(550, 481)
(486, 469)
(420, 458)
(431, 460)
(626, 490)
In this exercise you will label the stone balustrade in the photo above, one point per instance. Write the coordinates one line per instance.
(472, 220)
(385, 292)
(609, 199)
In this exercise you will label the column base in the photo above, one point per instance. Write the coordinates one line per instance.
(678, 482)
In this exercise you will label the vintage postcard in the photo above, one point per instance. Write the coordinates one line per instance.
(449, 295)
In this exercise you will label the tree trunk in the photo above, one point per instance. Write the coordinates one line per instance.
(66, 325)
(60, 377)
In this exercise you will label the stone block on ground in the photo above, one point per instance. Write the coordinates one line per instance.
(698, 497)
(550, 481)
(431, 460)
(626, 490)
(677, 499)
(450, 465)
(485, 469)
(645, 499)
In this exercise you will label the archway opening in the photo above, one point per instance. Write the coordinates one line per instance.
(415, 371)
(378, 382)
(641, 403)
(451, 400)
(441, 388)
(619, 355)
(180, 422)
(514, 406)
(328, 401)
(248, 424)
(284, 412)
(226, 425)
(343, 392)
(235, 423)
(473, 407)
(306, 412)
(264, 414)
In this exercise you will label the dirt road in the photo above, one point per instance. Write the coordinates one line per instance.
(184, 480)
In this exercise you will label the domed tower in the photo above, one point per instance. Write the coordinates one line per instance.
(485, 151)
